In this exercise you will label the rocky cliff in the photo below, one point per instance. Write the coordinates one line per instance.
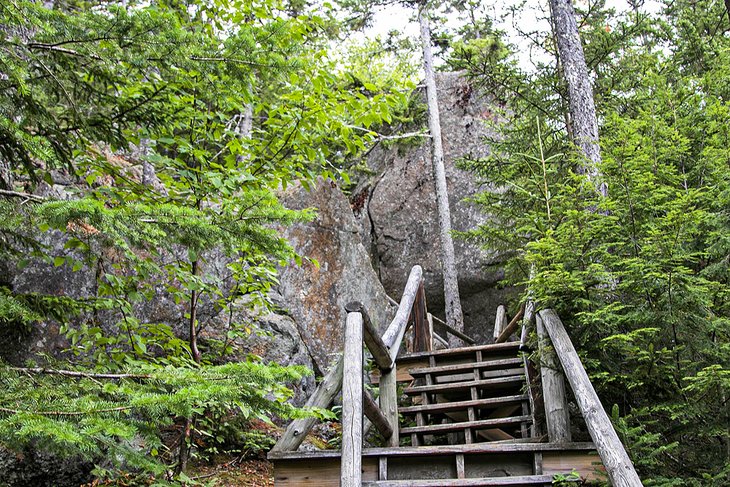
(389, 225)
(396, 207)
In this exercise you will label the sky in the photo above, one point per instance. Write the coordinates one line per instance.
(403, 19)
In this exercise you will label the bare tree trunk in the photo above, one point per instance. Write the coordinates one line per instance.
(454, 315)
(245, 127)
(580, 93)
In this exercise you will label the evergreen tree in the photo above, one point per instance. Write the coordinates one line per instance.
(81, 88)
(642, 282)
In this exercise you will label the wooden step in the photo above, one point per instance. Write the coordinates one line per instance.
(494, 348)
(457, 405)
(481, 424)
(515, 446)
(473, 482)
(488, 364)
(498, 383)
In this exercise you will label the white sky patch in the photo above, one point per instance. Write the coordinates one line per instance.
(533, 18)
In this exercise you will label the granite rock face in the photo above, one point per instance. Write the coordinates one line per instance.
(35, 467)
(316, 296)
(307, 330)
(396, 208)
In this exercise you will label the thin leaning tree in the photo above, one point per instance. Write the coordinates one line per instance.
(454, 314)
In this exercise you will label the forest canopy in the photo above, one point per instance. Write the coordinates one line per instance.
(139, 141)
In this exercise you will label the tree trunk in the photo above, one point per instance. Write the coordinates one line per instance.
(580, 93)
(454, 315)
(245, 128)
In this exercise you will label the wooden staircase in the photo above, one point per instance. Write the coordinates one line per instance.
(473, 393)
(455, 417)
(466, 420)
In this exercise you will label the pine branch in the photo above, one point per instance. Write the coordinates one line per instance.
(74, 373)
(67, 413)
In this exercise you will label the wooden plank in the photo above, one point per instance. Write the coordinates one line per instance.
(587, 464)
(511, 327)
(484, 423)
(488, 364)
(489, 348)
(403, 375)
(484, 482)
(352, 389)
(321, 398)
(457, 405)
(474, 448)
(487, 374)
(378, 349)
(325, 472)
(553, 389)
(376, 416)
(620, 470)
(500, 321)
(497, 383)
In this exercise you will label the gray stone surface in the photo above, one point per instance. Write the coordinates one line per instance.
(37, 468)
(316, 297)
(396, 208)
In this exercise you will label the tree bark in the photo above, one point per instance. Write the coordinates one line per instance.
(454, 315)
(580, 93)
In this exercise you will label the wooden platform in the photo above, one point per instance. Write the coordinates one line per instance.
(488, 464)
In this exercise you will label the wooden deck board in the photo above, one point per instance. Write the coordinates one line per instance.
(468, 366)
(456, 386)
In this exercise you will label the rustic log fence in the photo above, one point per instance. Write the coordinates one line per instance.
(559, 361)
(347, 375)
(620, 470)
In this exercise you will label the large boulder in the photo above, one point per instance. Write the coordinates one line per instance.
(396, 208)
(316, 296)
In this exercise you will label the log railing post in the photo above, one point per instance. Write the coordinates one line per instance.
(422, 339)
(553, 389)
(333, 381)
(389, 402)
(620, 470)
(352, 403)
(500, 321)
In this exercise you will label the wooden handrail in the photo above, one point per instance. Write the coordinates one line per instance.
(394, 334)
(378, 349)
(327, 390)
(469, 340)
(621, 472)
(448, 328)
(352, 389)
(511, 327)
(358, 329)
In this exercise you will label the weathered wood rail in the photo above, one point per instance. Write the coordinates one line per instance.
(347, 375)
(619, 468)
(558, 362)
